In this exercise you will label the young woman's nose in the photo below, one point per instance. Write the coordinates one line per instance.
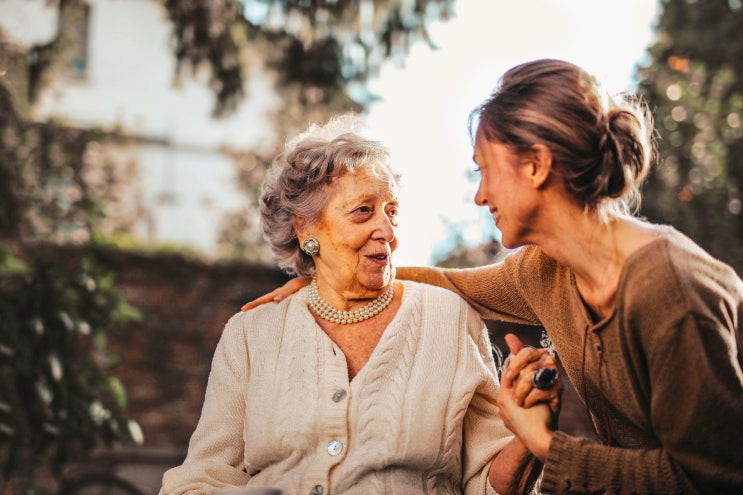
(480, 199)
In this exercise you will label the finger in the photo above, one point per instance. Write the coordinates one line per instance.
(555, 404)
(524, 391)
(266, 298)
(551, 396)
(527, 359)
(295, 284)
(523, 386)
(547, 360)
(514, 343)
(279, 294)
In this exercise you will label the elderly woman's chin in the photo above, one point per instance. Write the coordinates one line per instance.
(378, 280)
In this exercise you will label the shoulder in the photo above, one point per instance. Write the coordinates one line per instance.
(440, 308)
(674, 261)
(266, 316)
(432, 295)
(539, 277)
(531, 263)
(675, 277)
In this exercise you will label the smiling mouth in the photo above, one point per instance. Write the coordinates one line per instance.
(379, 257)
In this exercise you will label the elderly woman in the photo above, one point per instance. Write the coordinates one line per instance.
(358, 383)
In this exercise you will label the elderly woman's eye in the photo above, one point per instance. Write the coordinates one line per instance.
(392, 215)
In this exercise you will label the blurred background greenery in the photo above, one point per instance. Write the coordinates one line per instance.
(63, 185)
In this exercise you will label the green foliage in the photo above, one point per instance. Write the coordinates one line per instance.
(694, 85)
(57, 398)
(40, 169)
(58, 184)
(314, 43)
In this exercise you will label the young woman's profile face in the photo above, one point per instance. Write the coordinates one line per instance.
(505, 189)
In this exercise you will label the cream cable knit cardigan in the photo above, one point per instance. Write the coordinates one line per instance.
(420, 417)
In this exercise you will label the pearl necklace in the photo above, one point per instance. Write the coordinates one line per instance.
(329, 313)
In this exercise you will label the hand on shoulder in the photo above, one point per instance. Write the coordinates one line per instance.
(279, 294)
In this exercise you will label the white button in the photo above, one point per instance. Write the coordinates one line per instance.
(335, 447)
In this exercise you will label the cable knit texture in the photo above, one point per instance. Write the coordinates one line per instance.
(419, 418)
(662, 374)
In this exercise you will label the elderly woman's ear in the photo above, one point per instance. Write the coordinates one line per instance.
(299, 228)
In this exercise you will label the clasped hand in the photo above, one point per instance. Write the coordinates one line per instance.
(530, 413)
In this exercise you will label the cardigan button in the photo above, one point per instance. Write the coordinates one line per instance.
(316, 490)
(339, 395)
(335, 447)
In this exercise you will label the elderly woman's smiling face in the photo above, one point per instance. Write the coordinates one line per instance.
(357, 235)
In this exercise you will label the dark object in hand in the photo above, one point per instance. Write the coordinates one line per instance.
(544, 378)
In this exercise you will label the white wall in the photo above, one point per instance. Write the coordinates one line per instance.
(130, 85)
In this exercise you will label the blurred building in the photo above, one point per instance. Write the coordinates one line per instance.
(120, 76)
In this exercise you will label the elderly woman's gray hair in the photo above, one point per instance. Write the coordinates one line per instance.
(295, 186)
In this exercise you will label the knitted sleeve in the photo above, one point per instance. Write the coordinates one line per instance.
(495, 291)
(216, 449)
(484, 431)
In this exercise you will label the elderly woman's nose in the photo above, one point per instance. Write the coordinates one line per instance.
(385, 227)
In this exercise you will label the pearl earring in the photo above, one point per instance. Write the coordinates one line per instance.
(311, 246)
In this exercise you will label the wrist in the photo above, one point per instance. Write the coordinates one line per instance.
(539, 445)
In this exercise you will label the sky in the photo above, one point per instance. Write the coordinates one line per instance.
(424, 106)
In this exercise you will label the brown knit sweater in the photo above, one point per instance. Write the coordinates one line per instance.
(662, 375)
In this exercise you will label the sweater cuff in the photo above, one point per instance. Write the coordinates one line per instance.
(559, 451)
